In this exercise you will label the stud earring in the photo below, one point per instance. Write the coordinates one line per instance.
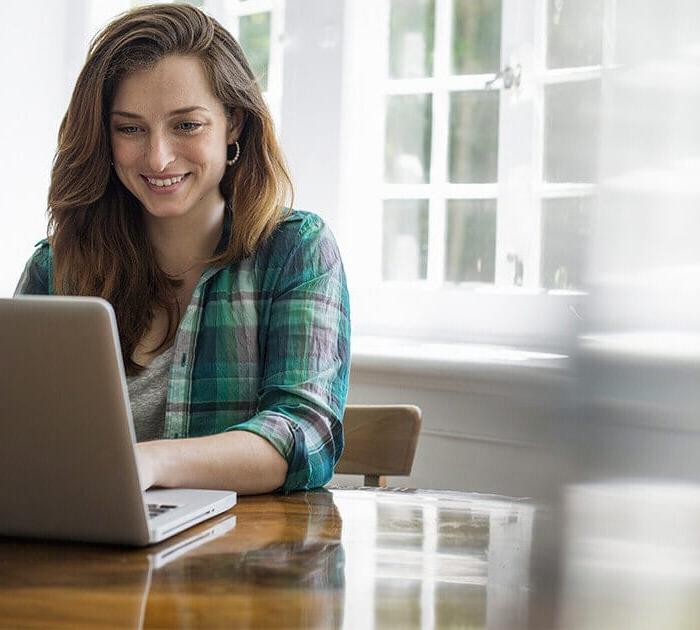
(233, 152)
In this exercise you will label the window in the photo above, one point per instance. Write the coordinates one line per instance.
(574, 57)
(478, 171)
(441, 137)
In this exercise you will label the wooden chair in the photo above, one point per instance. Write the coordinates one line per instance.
(380, 440)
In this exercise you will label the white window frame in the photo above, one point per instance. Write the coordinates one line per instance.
(428, 310)
(546, 190)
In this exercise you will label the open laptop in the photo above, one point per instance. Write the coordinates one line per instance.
(67, 458)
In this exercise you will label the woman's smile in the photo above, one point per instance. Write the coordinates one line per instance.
(165, 185)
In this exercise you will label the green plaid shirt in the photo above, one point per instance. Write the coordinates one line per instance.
(264, 346)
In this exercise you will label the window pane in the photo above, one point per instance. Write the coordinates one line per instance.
(574, 33)
(408, 136)
(565, 230)
(254, 38)
(571, 131)
(473, 153)
(405, 242)
(471, 240)
(412, 29)
(476, 36)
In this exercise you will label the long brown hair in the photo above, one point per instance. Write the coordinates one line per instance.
(96, 228)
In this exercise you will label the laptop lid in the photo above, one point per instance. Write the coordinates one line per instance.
(67, 463)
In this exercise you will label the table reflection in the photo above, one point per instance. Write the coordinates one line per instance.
(435, 559)
(283, 567)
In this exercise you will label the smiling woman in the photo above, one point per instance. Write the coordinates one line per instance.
(167, 199)
(172, 160)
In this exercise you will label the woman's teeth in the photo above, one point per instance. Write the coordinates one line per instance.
(165, 182)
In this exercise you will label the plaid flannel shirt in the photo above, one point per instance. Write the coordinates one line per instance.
(264, 346)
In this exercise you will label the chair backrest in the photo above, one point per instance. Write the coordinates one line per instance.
(380, 440)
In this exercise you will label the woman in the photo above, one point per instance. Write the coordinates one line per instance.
(167, 199)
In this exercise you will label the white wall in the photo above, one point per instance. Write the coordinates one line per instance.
(494, 432)
(312, 100)
(33, 39)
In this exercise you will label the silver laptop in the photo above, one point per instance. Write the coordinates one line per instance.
(67, 461)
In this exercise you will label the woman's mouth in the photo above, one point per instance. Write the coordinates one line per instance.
(165, 185)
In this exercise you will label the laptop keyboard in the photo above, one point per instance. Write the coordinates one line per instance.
(156, 509)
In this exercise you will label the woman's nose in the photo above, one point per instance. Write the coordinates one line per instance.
(159, 153)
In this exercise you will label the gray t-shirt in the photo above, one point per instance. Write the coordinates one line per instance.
(147, 393)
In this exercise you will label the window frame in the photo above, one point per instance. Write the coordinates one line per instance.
(498, 313)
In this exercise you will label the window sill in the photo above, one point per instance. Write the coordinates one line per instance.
(511, 319)
(451, 366)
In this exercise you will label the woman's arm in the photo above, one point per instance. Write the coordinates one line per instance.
(236, 460)
(305, 342)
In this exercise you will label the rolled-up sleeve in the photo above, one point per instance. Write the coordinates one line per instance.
(305, 346)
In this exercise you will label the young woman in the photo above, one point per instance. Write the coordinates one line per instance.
(167, 199)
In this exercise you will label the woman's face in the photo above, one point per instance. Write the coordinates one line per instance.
(169, 134)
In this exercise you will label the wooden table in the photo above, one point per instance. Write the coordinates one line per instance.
(353, 558)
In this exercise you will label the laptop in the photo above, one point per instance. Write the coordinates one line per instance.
(67, 458)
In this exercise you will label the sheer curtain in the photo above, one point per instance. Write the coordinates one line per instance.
(640, 343)
(632, 546)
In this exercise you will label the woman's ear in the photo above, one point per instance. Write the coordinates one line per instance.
(236, 118)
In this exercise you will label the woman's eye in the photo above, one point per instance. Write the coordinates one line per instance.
(128, 130)
(189, 126)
